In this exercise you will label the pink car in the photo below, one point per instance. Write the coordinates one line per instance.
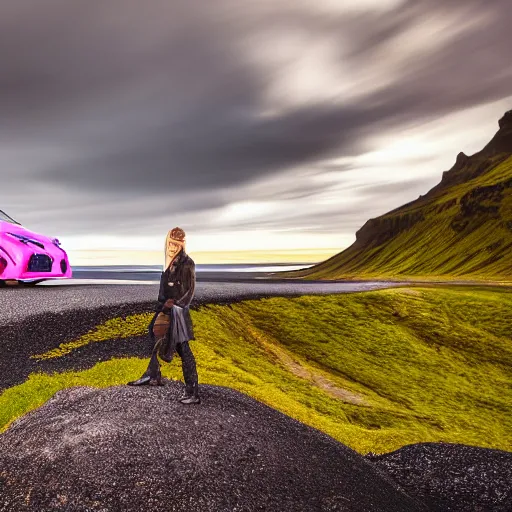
(27, 257)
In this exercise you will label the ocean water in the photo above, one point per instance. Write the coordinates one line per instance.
(210, 267)
(219, 271)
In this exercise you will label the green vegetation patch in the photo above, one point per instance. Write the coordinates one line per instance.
(375, 370)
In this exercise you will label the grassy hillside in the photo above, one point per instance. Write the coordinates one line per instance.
(375, 370)
(461, 229)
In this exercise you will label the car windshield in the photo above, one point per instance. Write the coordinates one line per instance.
(6, 218)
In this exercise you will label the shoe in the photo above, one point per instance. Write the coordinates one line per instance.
(187, 392)
(157, 382)
(191, 400)
(140, 382)
(148, 380)
(191, 395)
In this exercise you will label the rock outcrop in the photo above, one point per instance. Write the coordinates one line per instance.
(496, 151)
(380, 230)
(480, 204)
(139, 449)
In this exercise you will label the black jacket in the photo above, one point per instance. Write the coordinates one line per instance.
(178, 282)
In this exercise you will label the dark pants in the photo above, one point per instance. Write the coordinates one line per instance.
(188, 363)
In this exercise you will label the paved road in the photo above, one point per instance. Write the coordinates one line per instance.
(17, 303)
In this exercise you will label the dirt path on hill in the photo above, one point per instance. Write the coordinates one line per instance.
(300, 370)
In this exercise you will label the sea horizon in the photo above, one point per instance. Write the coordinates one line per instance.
(204, 271)
(200, 267)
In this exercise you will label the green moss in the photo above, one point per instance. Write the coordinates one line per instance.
(430, 364)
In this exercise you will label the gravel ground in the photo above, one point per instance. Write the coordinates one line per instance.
(136, 449)
(452, 477)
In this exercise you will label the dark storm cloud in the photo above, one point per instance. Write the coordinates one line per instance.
(129, 100)
(220, 151)
(468, 69)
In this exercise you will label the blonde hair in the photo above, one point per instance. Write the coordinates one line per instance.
(177, 236)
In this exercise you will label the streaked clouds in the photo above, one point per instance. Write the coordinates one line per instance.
(121, 117)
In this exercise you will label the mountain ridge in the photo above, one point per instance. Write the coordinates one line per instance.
(465, 220)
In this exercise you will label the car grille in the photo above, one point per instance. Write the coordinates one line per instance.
(39, 263)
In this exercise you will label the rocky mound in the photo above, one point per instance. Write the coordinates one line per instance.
(452, 477)
(135, 449)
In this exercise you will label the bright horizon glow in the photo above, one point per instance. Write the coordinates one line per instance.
(129, 257)
(230, 247)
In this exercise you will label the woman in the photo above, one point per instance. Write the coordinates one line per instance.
(171, 327)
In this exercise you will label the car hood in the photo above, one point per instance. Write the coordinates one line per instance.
(7, 227)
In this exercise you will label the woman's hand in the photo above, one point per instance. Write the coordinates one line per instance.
(168, 304)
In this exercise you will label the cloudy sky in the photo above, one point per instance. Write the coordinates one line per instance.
(264, 126)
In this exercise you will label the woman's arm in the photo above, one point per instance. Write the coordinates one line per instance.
(161, 295)
(164, 304)
(189, 285)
